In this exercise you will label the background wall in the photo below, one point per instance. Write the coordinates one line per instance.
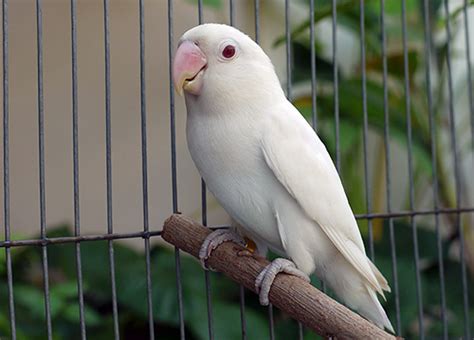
(125, 111)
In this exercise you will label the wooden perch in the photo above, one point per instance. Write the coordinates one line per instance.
(292, 295)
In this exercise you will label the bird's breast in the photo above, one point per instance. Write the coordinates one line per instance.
(228, 157)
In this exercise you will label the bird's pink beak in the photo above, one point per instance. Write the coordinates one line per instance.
(188, 68)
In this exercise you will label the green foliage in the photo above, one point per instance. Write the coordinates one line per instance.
(132, 298)
(131, 294)
(350, 85)
(351, 117)
(430, 282)
(2, 263)
(324, 10)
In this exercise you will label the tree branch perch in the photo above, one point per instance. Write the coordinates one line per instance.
(292, 295)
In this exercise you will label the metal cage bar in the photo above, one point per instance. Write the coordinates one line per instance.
(143, 118)
(388, 164)
(6, 166)
(174, 179)
(288, 49)
(312, 39)
(207, 278)
(141, 234)
(243, 319)
(457, 176)
(469, 70)
(411, 185)
(75, 151)
(289, 95)
(336, 84)
(427, 47)
(109, 236)
(108, 166)
(231, 13)
(257, 20)
(42, 186)
(365, 130)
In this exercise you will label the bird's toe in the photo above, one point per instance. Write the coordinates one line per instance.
(264, 280)
(213, 240)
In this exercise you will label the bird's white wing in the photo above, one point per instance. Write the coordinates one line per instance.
(302, 164)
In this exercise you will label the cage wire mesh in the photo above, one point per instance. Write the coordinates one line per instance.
(425, 250)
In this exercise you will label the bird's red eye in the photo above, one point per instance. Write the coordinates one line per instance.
(228, 51)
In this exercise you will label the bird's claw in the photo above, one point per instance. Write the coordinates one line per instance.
(265, 279)
(244, 252)
(215, 239)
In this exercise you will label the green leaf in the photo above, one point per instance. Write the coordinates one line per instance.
(64, 290)
(4, 325)
(71, 314)
(226, 321)
(453, 14)
(323, 11)
(30, 298)
(430, 281)
(351, 112)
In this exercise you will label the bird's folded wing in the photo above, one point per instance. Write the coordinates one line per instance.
(302, 164)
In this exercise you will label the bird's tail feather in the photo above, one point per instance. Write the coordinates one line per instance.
(356, 292)
(380, 278)
(372, 309)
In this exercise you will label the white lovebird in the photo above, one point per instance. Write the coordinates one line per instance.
(269, 170)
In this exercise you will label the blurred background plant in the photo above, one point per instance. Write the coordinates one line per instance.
(130, 268)
(351, 110)
(351, 120)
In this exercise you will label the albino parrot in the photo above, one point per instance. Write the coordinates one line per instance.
(269, 170)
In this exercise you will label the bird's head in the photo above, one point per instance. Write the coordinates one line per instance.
(215, 60)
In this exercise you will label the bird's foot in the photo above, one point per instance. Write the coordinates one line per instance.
(215, 239)
(264, 280)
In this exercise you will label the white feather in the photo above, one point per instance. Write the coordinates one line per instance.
(272, 174)
(311, 174)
